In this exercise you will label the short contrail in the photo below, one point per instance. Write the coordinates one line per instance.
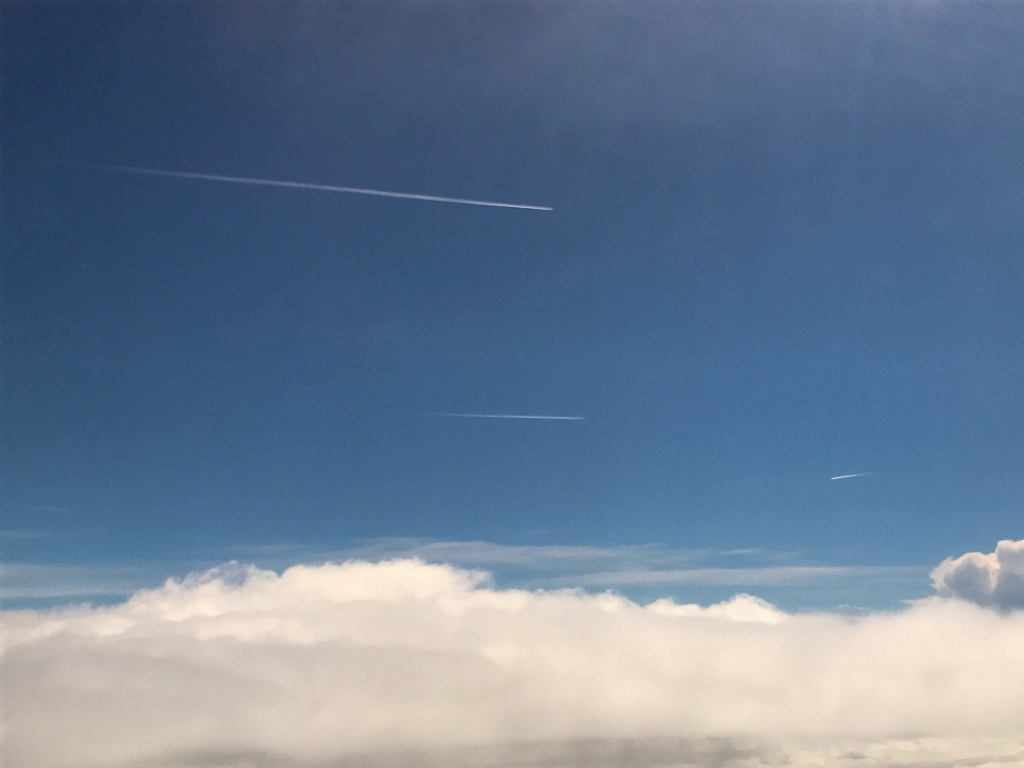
(304, 185)
(508, 416)
(855, 474)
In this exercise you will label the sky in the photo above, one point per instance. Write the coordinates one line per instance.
(765, 255)
(784, 247)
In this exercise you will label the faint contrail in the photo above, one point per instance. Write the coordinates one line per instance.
(508, 416)
(304, 185)
(855, 474)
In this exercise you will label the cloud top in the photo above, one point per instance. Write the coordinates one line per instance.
(995, 579)
(321, 664)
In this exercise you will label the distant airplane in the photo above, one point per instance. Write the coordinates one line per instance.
(855, 474)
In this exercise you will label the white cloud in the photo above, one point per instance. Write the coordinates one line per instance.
(996, 579)
(47, 581)
(782, 574)
(489, 555)
(552, 566)
(407, 663)
(529, 566)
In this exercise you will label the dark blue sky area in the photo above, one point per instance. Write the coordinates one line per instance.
(786, 245)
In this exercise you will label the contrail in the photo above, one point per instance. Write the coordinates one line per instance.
(508, 416)
(855, 474)
(304, 185)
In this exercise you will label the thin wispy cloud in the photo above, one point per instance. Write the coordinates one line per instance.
(552, 559)
(740, 577)
(25, 535)
(44, 508)
(485, 554)
(304, 185)
(526, 566)
(60, 582)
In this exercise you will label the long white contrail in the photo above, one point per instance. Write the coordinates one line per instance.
(855, 474)
(508, 416)
(305, 185)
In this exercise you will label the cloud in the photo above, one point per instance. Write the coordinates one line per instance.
(408, 663)
(624, 567)
(638, 569)
(541, 557)
(782, 574)
(996, 579)
(48, 581)
(577, 565)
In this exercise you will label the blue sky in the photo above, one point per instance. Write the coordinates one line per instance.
(785, 246)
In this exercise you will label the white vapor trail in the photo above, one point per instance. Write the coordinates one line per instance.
(508, 416)
(305, 185)
(855, 474)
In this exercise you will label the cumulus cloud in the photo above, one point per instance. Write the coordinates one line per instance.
(408, 663)
(995, 579)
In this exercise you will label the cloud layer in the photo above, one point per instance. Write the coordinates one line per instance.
(403, 662)
(540, 566)
(996, 579)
